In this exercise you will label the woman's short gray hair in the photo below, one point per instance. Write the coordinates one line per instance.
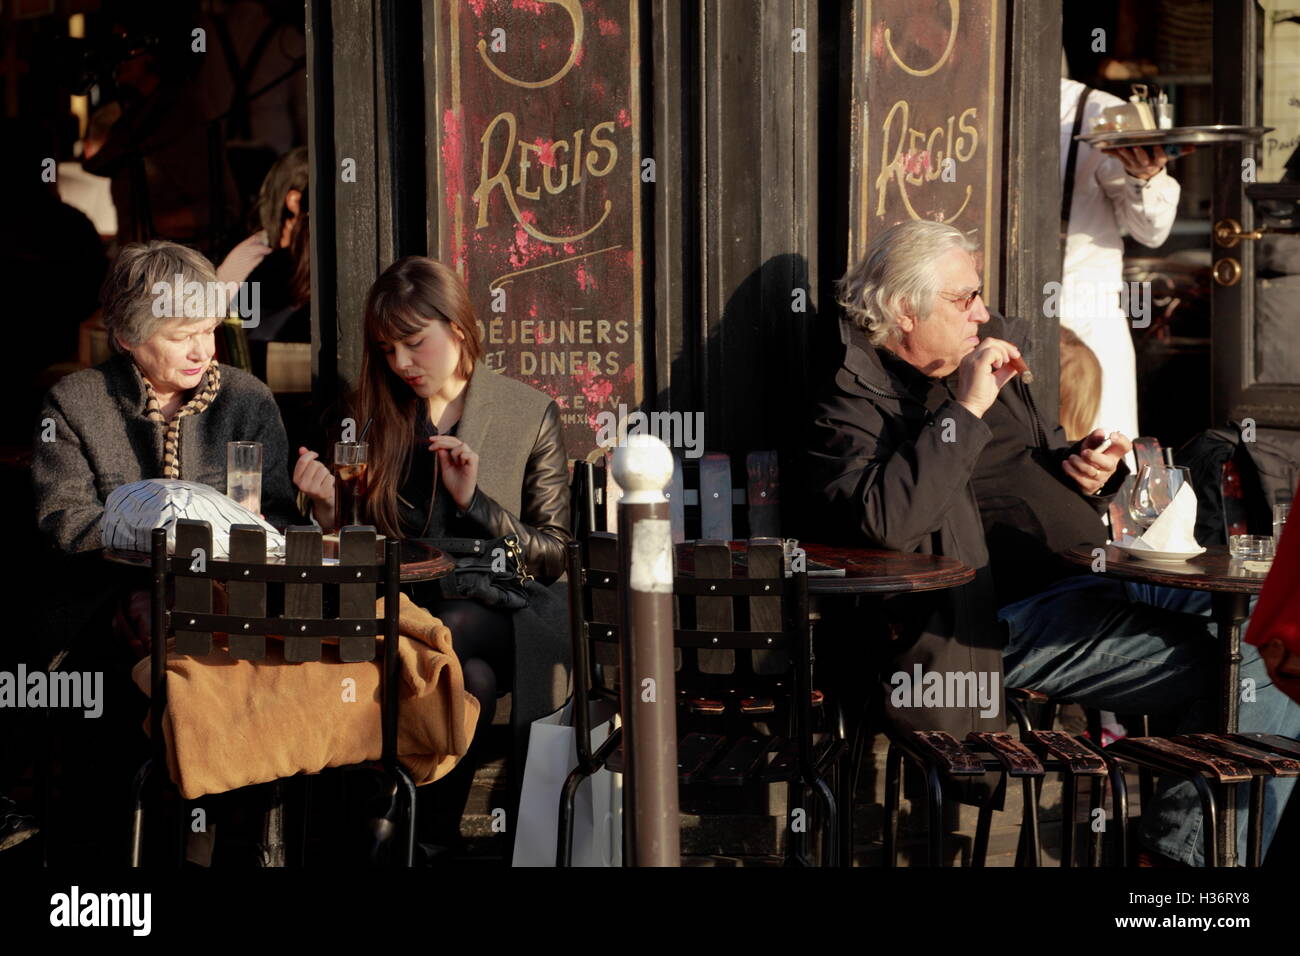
(135, 303)
(896, 274)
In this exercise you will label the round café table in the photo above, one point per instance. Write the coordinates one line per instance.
(866, 571)
(1230, 585)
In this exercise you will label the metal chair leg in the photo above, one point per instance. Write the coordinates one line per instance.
(137, 812)
(830, 849)
(934, 810)
(1255, 831)
(1029, 851)
(1069, 793)
(1209, 818)
(408, 838)
(564, 831)
(979, 855)
(846, 775)
(893, 784)
(272, 849)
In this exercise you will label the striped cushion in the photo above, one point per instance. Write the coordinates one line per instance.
(133, 511)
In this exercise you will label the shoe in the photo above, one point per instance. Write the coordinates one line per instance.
(15, 826)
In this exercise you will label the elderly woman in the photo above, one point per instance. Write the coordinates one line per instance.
(162, 407)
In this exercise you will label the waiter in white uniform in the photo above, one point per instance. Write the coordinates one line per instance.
(1126, 188)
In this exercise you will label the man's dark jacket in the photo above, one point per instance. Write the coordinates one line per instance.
(891, 461)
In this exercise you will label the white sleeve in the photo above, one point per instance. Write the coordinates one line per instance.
(1145, 208)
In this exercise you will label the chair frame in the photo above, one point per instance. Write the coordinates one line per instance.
(794, 638)
(303, 632)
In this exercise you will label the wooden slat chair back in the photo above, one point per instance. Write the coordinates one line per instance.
(361, 570)
(705, 499)
(761, 729)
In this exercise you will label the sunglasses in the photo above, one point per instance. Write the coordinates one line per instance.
(964, 300)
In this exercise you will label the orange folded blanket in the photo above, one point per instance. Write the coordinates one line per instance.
(231, 723)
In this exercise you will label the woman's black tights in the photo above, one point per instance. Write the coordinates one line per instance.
(484, 642)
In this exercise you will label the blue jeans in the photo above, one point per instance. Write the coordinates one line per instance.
(1141, 649)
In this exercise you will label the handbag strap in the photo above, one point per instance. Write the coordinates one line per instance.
(1072, 160)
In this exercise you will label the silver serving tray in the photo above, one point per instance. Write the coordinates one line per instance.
(1178, 136)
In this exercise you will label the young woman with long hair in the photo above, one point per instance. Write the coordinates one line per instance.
(457, 450)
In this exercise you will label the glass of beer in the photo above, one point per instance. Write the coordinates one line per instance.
(350, 463)
(244, 474)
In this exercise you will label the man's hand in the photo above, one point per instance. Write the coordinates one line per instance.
(982, 374)
(1092, 467)
(1138, 163)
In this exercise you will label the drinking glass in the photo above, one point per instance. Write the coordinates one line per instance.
(244, 474)
(1150, 496)
(1281, 511)
(350, 463)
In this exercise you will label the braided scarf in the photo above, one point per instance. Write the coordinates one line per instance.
(203, 396)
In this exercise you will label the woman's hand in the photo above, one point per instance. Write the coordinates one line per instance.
(459, 466)
(312, 478)
(244, 258)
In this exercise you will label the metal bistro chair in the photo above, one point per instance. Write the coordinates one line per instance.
(770, 683)
(190, 620)
(941, 757)
(1212, 763)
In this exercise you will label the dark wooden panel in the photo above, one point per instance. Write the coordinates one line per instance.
(247, 598)
(356, 204)
(766, 559)
(356, 601)
(927, 90)
(302, 547)
(763, 494)
(1030, 250)
(193, 543)
(713, 560)
(539, 183)
(715, 497)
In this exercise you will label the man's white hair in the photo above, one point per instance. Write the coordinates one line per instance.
(897, 274)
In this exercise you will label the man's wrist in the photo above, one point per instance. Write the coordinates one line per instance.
(972, 408)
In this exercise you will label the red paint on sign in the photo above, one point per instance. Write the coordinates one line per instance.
(531, 6)
(547, 151)
(608, 28)
(625, 118)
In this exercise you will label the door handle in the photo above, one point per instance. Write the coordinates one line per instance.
(1227, 233)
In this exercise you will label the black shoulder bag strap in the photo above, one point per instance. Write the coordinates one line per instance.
(1067, 187)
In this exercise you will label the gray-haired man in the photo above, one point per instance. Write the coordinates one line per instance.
(909, 456)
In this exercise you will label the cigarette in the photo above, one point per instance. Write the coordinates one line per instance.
(1019, 365)
(1104, 445)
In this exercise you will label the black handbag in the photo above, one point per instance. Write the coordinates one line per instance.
(488, 570)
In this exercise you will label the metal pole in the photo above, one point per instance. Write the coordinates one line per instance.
(649, 697)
